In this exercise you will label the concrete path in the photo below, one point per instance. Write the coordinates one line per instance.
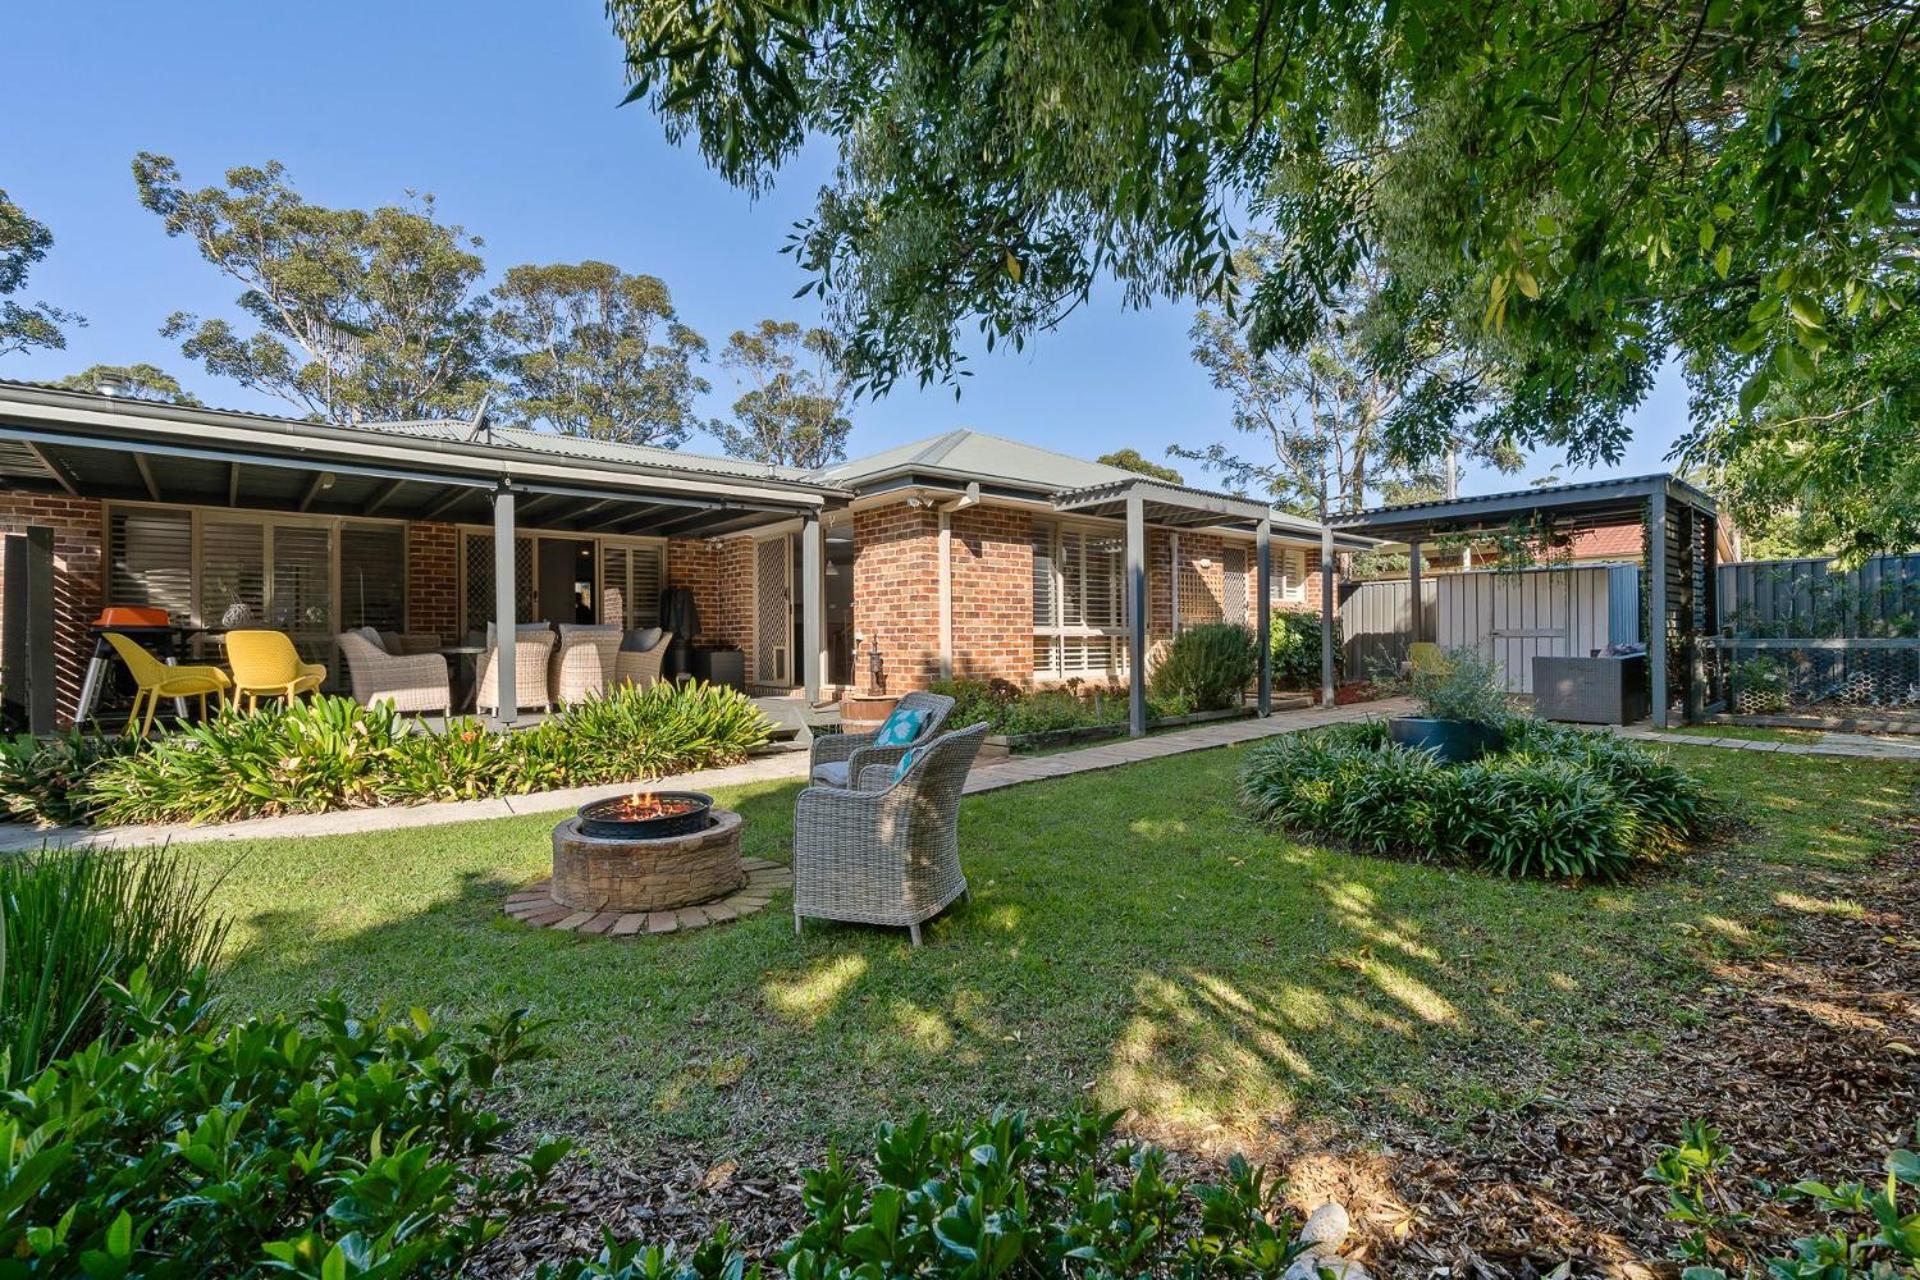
(1862, 746)
(780, 767)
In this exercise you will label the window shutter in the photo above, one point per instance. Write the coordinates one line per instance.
(1044, 603)
(233, 569)
(614, 606)
(151, 555)
(649, 577)
(373, 576)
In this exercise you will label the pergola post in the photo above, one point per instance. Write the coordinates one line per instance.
(1326, 615)
(1657, 604)
(506, 631)
(1414, 611)
(1136, 616)
(1263, 611)
(813, 608)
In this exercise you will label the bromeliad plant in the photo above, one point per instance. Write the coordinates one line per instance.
(332, 753)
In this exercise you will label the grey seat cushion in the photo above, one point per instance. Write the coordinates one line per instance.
(641, 640)
(831, 772)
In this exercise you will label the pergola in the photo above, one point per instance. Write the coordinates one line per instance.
(1145, 500)
(1678, 587)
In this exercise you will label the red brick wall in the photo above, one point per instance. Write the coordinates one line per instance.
(896, 595)
(79, 580)
(731, 622)
(433, 580)
(991, 558)
(694, 563)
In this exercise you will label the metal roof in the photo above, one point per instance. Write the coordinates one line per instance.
(976, 456)
(1587, 502)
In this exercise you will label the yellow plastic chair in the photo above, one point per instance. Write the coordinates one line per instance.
(1426, 658)
(155, 680)
(266, 665)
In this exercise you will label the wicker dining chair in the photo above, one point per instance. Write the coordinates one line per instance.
(837, 759)
(887, 852)
(532, 646)
(641, 667)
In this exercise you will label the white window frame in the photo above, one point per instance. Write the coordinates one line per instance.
(1287, 584)
(1056, 633)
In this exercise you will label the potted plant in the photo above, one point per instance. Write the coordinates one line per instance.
(1462, 709)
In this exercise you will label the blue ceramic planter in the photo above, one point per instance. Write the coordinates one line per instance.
(1450, 741)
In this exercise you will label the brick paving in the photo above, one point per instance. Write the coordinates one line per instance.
(535, 906)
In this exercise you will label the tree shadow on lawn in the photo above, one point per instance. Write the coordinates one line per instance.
(1131, 942)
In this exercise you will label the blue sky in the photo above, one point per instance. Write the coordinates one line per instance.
(506, 113)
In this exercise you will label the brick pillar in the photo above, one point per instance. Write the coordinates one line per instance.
(433, 580)
(991, 559)
(896, 595)
(79, 591)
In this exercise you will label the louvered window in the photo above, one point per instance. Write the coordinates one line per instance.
(152, 560)
(233, 573)
(1079, 589)
(632, 575)
(1289, 581)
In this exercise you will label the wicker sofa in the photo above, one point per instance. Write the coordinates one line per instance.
(888, 851)
(414, 682)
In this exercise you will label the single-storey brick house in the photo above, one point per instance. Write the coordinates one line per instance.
(963, 554)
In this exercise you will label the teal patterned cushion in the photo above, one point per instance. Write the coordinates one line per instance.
(900, 729)
(906, 763)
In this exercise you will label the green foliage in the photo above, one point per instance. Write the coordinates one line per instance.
(40, 778)
(1561, 193)
(1875, 1235)
(1293, 641)
(320, 1147)
(1760, 684)
(357, 315)
(1129, 459)
(73, 924)
(1467, 686)
(1207, 666)
(1006, 1196)
(793, 406)
(1557, 803)
(141, 381)
(589, 350)
(23, 242)
(332, 753)
(1011, 710)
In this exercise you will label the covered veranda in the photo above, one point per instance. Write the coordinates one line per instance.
(1146, 501)
(338, 502)
(1680, 524)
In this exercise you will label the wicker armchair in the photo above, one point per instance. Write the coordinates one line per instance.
(889, 852)
(532, 645)
(584, 662)
(415, 682)
(641, 667)
(839, 758)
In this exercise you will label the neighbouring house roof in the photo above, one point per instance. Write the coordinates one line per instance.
(1589, 504)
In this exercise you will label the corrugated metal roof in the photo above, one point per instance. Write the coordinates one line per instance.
(1548, 495)
(981, 456)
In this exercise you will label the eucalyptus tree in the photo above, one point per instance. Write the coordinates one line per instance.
(1570, 189)
(349, 315)
(24, 241)
(792, 410)
(590, 350)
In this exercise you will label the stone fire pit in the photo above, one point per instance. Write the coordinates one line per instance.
(648, 864)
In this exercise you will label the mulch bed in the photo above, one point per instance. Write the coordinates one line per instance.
(1806, 1056)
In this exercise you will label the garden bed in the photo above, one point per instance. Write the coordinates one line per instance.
(1004, 744)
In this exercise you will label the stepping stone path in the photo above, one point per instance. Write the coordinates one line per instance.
(534, 905)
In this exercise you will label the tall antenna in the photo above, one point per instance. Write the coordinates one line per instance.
(478, 425)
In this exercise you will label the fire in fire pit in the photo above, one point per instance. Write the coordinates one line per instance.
(646, 815)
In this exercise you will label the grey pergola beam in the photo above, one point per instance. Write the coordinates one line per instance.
(383, 496)
(146, 476)
(60, 477)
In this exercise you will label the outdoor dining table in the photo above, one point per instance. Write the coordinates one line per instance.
(465, 659)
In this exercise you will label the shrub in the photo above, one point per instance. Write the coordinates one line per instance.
(331, 753)
(323, 1147)
(1207, 666)
(1556, 803)
(75, 922)
(1293, 641)
(1006, 1197)
(1008, 709)
(1465, 687)
(41, 779)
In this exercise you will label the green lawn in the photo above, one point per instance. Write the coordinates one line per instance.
(1131, 940)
